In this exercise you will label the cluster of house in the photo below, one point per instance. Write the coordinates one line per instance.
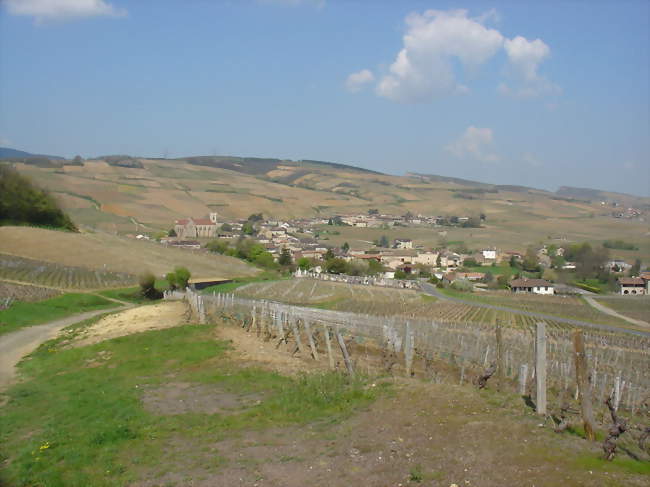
(402, 255)
(639, 285)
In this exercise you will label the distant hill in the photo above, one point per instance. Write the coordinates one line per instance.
(8, 153)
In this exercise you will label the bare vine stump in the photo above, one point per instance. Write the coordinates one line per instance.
(485, 376)
(619, 426)
(344, 352)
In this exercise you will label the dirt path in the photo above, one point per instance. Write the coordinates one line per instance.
(600, 307)
(17, 344)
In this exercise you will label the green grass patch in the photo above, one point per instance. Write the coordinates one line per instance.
(21, 314)
(229, 287)
(94, 430)
(620, 463)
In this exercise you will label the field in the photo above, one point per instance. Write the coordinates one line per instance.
(635, 307)
(59, 276)
(103, 254)
(388, 302)
(130, 200)
(181, 406)
(21, 314)
(25, 293)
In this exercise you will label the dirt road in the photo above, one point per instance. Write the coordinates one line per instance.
(604, 309)
(17, 344)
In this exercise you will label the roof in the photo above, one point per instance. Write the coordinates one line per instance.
(203, 221)
(645, 275)
(530, 283)
(631, 281)
(182, 222)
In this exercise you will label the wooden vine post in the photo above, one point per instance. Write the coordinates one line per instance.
(584, 387)
(500, 359)
(540, 368)
(344, 352)
(328, 344)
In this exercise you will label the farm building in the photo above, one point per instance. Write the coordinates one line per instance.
(403, 243)
(536, 286)
(633, 285)
(196, 227)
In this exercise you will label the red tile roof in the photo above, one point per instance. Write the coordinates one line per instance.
(631, 281)
(530, 283)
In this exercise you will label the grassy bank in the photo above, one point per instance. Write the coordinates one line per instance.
(229, 287)
(94, 428)
(21, 314)
(133, 294)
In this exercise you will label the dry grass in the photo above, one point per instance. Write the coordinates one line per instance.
(104, 252)
(636, 307)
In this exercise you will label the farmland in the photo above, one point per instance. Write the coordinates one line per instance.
(26, 293)
(59, 276)
(125, 200)
(389, 302)
(111, 258)
(635, 307)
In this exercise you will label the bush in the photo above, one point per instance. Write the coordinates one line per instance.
(148, 289)
(182, 277)
(462, 285)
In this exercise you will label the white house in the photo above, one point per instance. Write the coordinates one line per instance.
(489, 254)
(403, 243)
(535, 286)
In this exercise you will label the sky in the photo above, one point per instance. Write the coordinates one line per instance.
(542, 94)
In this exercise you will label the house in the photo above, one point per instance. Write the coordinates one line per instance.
(535, 286)
(450, 259)
(618, 265)
(426, 258)
(489, 254)
(196, 227)
(403, 243)
(633, 285)
(397, 258)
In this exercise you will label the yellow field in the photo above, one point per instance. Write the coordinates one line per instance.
(102, 251)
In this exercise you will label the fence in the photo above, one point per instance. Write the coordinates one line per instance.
(364, 280)
(619, 363)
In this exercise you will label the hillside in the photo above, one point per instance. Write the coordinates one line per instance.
(104, 252)
(23, 203)
(122, 197)
(8, 153)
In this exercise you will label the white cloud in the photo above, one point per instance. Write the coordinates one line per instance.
(356, 81)
(44, 10)
(436, 41)
(475, 143)
(423, 68)
(525, 57)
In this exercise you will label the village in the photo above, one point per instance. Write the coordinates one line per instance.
(297, 242)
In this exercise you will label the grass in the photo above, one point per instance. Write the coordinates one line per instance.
(229, 287)
(21, 314)
(132, 294)
(94, 430)
(637, 307)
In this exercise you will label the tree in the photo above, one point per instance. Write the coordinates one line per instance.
(256, 217)
(383, 241)
(636, 267)
(248, 228)
(373, 211)
(375, 267)
(218, 246)
(502, 281)
(304, 264)
(346, 247)
(182, 276)
(400, 274)
(172, 233)
(285, 259)
(483, 217)
(489, 277)
(439, 260)
(226, 227)
(336, 266)
(78, 160)
(329, 254)
(170, 277)
(531, 263)
(470, 262)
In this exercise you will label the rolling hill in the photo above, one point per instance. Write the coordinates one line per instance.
(137, 194)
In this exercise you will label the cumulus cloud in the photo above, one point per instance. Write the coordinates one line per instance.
(475, 143)
(437, 41)
(356, 81)
(423, 68)
(525, 57)
(44, 10)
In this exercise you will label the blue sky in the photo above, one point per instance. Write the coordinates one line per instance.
(535, 93)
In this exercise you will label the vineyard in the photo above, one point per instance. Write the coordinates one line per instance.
(21, 292)
(59, 276)
(636, 307)
(572, 307)
(394, 302)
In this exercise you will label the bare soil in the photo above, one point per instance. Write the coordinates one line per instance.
(143, 318)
